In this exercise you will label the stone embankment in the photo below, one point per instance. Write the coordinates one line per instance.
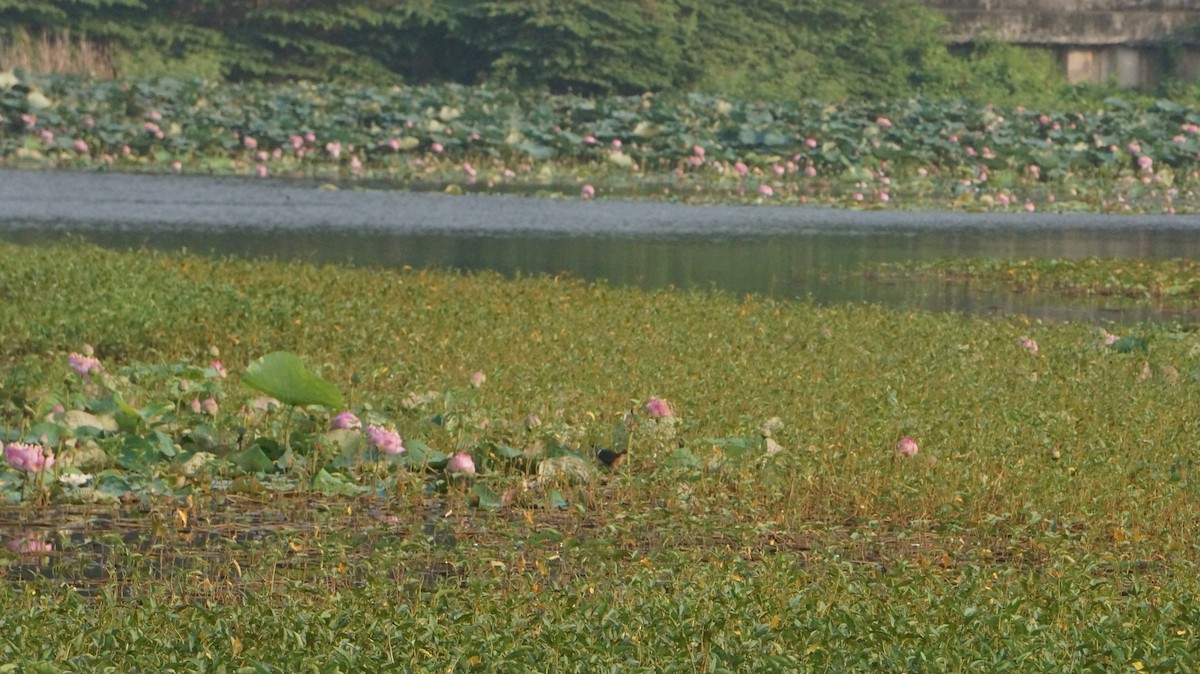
(1134, 42)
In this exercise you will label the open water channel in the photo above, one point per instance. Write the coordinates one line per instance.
(792, 252)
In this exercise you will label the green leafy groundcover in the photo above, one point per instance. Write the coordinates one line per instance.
(767, 523)
(1163, 282)
(918, 152)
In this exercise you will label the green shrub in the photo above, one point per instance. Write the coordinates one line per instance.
(778, 50)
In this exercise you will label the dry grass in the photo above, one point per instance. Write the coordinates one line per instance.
(57, 52)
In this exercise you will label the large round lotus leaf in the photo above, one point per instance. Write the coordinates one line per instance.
(564, 470)
(74, 419)
(282, 376)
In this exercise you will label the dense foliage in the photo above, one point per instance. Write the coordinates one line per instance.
(773, 49)
(1045, 523)
(1116, 157)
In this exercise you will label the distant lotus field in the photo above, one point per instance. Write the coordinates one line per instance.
(907, 153)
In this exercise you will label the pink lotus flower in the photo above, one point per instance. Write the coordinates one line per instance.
(250, 143)
(334, 149)
(209, 406)
(310, 137)
(587, 191)
(468, 169)
(810, 171)
(884, 122)
(1134, 147)
(906, 447)
(437, 148)
(616, 143)
(384, 440)
(260, 171)
(195, 406)
(27, 457)
(1028, 344)
(29, 545)
(740, 168)
(461, 464)
(83, 365)
(1145, 163)
(296, 141)
(477, 378)
(766, 190)
(47, 135)
(28, 119)
(346, 421)
(80, 146)
(657, 408)
(811, 143)
(177, 166)
(589, 139)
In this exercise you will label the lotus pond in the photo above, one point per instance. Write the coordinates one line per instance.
(590, 477)
(914, 153)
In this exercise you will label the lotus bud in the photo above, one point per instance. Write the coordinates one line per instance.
(461, 464)
(346, 421)
(906, 447)
(658, 408)
(386, 441)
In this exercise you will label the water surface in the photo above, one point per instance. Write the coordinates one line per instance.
(789, 252)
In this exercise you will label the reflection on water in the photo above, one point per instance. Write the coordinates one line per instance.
(814, 264)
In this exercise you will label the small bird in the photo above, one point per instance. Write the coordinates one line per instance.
(610, 458)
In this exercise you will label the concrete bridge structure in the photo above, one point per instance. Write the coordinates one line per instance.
(1134, 42)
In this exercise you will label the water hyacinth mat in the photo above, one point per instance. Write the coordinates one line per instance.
(222, 463)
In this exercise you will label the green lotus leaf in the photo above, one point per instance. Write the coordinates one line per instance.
(485, 498)
(331, 484)
(282, 375)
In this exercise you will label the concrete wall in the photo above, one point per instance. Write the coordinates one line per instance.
(1096, 40)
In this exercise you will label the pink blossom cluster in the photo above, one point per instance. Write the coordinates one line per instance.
(384, 440)
(83, 365)
(27, 457)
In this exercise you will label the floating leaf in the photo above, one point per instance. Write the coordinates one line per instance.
(335, 485)
(482, 497)
(564, 470)
(1129, 344)
(252, 460)
(418, 455)
(282, 375)
(112, 483)
(557, 501)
